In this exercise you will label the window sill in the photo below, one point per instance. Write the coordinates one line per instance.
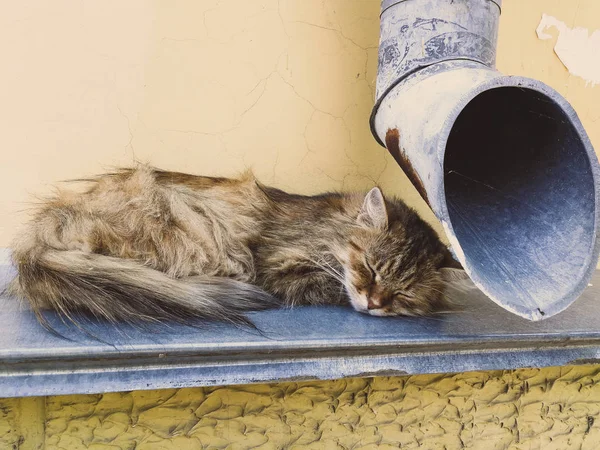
(299, 344)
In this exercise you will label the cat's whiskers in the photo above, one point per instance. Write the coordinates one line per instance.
(327, 271)
(453, 300)
(324, 265)
(324, 254)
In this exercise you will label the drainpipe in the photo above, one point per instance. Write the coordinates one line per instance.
(504, 162)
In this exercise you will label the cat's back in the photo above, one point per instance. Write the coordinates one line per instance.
(147, 183)
(181, 224)
(131, 197)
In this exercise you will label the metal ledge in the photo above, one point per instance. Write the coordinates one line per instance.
(299, 344)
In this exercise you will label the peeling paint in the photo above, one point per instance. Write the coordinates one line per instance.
(577, 48)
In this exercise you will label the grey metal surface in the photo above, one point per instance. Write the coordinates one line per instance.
(418, 33)
(305, 343)
(504, 162)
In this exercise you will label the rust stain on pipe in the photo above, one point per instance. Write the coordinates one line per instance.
(392, 143)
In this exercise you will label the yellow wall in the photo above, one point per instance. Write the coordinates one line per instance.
(551, 409)
(284, 87)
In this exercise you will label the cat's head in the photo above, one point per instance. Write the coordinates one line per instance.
(395, 264)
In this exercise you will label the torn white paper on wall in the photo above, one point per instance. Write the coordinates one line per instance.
(578, 50)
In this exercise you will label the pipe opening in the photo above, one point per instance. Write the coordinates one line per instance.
(520, 195)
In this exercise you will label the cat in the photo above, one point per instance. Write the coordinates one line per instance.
(144, 245)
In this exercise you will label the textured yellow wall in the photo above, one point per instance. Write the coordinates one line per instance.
(550, 409)
(284, 87)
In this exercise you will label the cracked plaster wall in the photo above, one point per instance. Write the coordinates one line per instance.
(284, 87)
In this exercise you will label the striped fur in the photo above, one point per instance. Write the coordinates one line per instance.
(144, 245)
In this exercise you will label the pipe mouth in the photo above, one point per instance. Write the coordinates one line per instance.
(520, 193)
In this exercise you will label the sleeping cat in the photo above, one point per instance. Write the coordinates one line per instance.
(149, 245)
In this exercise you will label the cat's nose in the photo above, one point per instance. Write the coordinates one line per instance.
(373, 304)
(376, 302)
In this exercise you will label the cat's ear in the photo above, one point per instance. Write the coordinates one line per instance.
(373, 212)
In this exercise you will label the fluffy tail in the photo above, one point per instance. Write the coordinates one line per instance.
(71, 282)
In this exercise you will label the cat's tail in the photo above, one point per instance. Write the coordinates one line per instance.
(70, 282)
